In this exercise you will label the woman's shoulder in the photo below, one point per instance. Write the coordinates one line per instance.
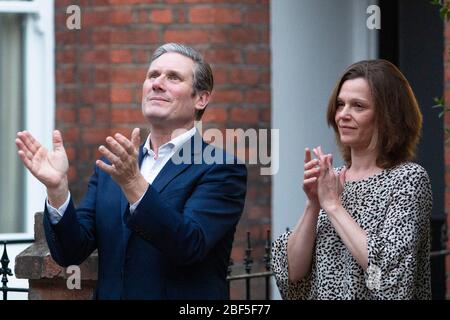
(410, 176)
(409, 169)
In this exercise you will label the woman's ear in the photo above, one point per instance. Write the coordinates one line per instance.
(202, 100)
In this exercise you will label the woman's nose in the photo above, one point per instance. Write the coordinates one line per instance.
(343, 112)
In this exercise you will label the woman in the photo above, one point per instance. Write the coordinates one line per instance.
(364, 233)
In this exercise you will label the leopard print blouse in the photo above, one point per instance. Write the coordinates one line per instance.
(393, 207)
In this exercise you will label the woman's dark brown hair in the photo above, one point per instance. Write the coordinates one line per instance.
(398, 120)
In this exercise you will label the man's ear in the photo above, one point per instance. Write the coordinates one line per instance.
(202, 100)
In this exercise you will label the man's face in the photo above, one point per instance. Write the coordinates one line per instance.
(167, 92)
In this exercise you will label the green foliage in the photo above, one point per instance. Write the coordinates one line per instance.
(444, 10)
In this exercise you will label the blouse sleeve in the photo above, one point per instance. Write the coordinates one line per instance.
(398, 250)
(288, 290)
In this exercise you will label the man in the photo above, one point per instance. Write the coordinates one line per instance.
(163, 229)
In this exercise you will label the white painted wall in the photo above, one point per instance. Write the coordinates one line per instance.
(312, 42)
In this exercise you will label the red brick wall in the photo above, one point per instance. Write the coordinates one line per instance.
(447, 149)
(100, 70)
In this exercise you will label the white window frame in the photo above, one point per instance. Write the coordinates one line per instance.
(39, 92)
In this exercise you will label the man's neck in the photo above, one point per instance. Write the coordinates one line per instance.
(162, 135)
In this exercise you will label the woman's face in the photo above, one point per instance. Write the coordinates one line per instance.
(355, 114)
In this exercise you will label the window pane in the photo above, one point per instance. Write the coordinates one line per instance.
(11, 121)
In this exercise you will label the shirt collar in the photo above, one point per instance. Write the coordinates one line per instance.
(175, 143)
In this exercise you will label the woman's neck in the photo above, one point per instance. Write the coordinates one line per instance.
(364, 165)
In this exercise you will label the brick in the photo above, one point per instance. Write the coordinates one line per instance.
(65, 37)
(140, 36)
(70, 134)
(220, 75)
(258, 17)
(121, 17)
(244, 36)
(257, 96)
(224, 55)
(241, 115)
(218, 36)
(64, 75)
(127, 75)
(65, 115)
(227, 96)
(84, 74)
(95, 56)
(195, 36)
(95, 95)
(266, 115)
(244, 76)
(85, 115)
(123, 56)
(70, 151)
(72, 173)
(215, 115)
(122, 116)
(102, 75)
(142, 56)
(122, 95)
(102, 115)
(259, 57)
(65, 56)
(66, 96)
(101, 37)
(94, 19)
(163, 16)
(215, 15)
(94, 135)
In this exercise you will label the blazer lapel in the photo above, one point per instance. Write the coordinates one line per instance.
(173, 167)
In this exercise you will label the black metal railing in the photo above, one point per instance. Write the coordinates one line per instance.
(248, 265)
(5, 271)
(247, 277)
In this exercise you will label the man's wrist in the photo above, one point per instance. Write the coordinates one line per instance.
(134, 191)
(58, 195)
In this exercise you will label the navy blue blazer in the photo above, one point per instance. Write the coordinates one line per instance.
(177, 243)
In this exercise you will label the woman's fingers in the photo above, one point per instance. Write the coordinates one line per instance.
(309, 181)
(307, 155)
(314, 172)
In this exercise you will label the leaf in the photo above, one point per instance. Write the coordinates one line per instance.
(443, 12)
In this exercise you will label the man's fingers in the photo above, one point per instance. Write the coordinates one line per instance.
(26, 161)
(28, 141)
(57, 140)
(105, 167)
(125, 143)
(136, 138)
(117, 148)
(114, 159)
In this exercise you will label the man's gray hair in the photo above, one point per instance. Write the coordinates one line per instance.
(202, 75)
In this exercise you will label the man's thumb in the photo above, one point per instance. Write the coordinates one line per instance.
(57, 141)
(136, 138)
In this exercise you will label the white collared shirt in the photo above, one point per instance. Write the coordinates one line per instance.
(150, 168)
